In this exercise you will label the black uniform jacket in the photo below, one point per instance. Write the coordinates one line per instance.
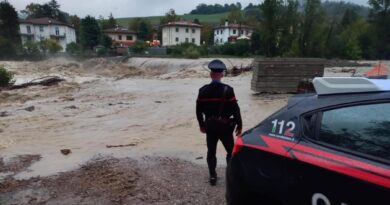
(217, 100)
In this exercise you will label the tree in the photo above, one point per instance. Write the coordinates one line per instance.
(256, 41)
(207, 34)
(49, 10)
(90, 33)
(143, 27)
(106, 41)
(9, 29)
(271, 17)
(310, 42)
(109, 23)
(235, 16)
(75, 21)
(380, 18)
(289, 26)
(170, 16)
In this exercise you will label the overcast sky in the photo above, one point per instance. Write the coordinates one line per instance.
(133, 8)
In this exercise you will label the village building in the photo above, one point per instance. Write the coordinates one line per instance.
(40, 29)
(174, 33)
(121, 37)
(231, 32)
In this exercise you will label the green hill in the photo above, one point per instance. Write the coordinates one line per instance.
(213, 19)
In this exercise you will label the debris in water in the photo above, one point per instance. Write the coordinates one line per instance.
(4, 114)
(29, 109)
(71, 107)
(45, 81)
(126, 145)
(198, 158)
(66, 151)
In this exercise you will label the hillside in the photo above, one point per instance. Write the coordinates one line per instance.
(213, 19)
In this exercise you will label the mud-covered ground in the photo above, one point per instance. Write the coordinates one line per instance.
(107, 180)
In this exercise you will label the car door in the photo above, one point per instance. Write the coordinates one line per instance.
(343, 158)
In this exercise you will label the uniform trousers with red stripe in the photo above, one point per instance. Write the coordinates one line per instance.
(215, 131)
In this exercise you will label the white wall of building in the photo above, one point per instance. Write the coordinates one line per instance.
(63, 34)
(174, 35)
(115, 36)
(221, 35)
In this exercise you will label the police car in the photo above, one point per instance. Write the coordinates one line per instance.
(328, 148)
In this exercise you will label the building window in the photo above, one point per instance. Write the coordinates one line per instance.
(234, 31)
(41, 28)
(221, 31)
(186, 40)
(57, 31)
(193, 30)
(217, 32)
(177, 39)
(187, 30)
(193, 40)
(177, 29)
(42, 38)
(28, 29)
(220, 40)
(129, 38)
(247, 32)
(120, 37)
(242, 32)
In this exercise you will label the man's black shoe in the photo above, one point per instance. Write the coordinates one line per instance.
(213, 180)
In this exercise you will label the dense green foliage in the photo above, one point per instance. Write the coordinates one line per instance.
(90, 33)
(73, 48)
(143, 27)
(9, 30)
(216, 8)
(50, 9)
(107, 23)
(139, 47)
(5, 77)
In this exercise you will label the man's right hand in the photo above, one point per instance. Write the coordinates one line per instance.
(203, 130)
(238, 131)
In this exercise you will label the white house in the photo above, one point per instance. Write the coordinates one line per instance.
(121, 36)
(45, 28)
(178, 32)
(231, 32)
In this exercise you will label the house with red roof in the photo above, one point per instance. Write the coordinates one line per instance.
(121, 36)
(174, 33)
(230, 32)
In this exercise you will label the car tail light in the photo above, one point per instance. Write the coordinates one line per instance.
(238, 145)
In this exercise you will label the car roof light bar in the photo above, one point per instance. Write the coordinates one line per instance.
(335, 85)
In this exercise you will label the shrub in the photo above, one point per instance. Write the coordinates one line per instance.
(192, 53)
(139, 47)
(5, 77)
(73, 48)
(31, 49)
(53, 46)
(101, 51)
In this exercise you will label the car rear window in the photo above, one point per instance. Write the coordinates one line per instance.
(364, 129)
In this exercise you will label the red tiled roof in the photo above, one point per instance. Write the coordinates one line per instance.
(44, 21)
(182, 23)
(234, 25)
(119, 30)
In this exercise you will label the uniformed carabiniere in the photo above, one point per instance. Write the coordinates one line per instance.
(218, 115)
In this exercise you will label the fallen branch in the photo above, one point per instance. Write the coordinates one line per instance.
(45, 81)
